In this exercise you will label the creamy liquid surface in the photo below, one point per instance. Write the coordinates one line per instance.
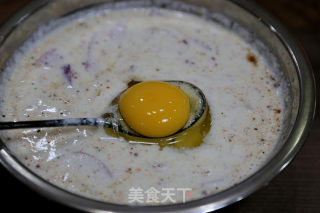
(76, 69)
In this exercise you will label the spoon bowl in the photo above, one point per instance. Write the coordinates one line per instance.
(114, 120)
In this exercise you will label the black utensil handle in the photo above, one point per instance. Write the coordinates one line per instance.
(54, 123)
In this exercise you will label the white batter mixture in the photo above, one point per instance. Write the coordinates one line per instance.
(77, 68)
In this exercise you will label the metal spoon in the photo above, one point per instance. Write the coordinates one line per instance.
(114, 120)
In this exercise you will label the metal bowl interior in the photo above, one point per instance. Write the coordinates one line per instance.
(261, 27)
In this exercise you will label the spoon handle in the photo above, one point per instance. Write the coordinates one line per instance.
(55, 123)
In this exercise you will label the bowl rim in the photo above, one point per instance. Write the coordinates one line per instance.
(233, 194)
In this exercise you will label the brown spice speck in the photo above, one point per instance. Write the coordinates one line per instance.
(277, 111)
(252, 58)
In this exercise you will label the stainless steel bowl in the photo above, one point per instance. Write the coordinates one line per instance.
(262, 27)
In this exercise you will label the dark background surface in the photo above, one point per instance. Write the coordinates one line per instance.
(296, 189)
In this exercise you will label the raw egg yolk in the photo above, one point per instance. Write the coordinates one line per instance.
(155, 108)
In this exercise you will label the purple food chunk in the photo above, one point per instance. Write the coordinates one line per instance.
(99, 162)
(67, 73)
